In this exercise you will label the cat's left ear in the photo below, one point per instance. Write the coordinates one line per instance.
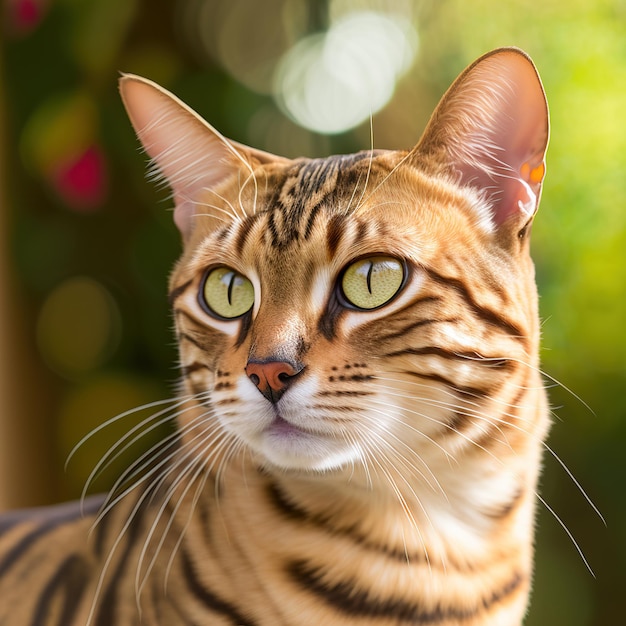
(191, 155)
(491, 131)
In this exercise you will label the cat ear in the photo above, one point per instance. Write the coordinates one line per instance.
(186, 151)
(491, 129)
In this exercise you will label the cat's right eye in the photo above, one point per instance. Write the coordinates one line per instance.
(226, 294)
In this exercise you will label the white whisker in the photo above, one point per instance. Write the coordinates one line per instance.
(110, 456)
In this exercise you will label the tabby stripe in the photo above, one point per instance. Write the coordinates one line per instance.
(460, 422)
(208, 598)
(362, 230)
(52, 519)
(222, 233)
(312, 215)
(472, 392)
(108, 599)
(175, 293)
(225, 401)
(343, 392)
(288, 509)
(194, 367)
(419, 323)
(328, 320)
(180, 312)
(245, 323)
(69, 581)
(313, 176)
(514, 407)
(508, 507)
(346, 597)
(193, 340)
(100, 532)
(492, 317)
(492, 362)
(244, 231)
(274, 231)
(335, 231)
(506, 421)
(339, 408)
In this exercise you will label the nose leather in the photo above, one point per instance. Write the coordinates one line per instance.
(272, 378)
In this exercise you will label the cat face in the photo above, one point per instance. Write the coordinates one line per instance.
(350, 288)
(358, 312)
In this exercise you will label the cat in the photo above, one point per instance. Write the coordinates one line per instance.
(361, 413)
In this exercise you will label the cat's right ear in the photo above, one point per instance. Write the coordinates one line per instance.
(187, 152)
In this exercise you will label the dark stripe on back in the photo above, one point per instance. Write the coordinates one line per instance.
(207, 598)
(49, 518)
(68, 582)
(345, 596)
(108, 604)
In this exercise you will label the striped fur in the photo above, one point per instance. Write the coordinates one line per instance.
(332, 464)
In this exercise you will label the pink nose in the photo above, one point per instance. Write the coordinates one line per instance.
(271, 377)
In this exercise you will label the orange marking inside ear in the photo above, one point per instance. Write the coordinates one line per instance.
(537, 174)
(534, 175)
(524, 171)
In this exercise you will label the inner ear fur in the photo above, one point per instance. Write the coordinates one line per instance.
(186, 151)
(490, 131)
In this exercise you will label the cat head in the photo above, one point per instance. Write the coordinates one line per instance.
(333, 312)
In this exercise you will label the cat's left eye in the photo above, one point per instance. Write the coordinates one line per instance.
(226, 294)
(371, 282)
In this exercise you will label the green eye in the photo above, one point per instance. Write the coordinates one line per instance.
(226, 293)
(369, 283)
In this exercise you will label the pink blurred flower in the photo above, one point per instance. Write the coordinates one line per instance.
(81, 180)
(23, 16)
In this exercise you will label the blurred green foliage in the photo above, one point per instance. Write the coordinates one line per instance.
(80, 207)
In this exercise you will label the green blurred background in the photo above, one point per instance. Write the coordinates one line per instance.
(87, 243)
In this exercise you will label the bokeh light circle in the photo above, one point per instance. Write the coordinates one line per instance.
(79, 327)
(334, 81)
(92, 406)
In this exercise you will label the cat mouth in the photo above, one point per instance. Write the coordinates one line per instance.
(283, 428)
(286, 429)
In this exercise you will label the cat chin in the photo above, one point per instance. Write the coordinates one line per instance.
(305, 453)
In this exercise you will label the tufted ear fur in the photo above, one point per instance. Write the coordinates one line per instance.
(186, 151)
(491, 131)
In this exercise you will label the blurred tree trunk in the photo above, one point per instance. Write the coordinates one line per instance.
(25, 453)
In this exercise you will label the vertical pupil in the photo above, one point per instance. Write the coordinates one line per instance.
(231, 285)
(370, 269)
